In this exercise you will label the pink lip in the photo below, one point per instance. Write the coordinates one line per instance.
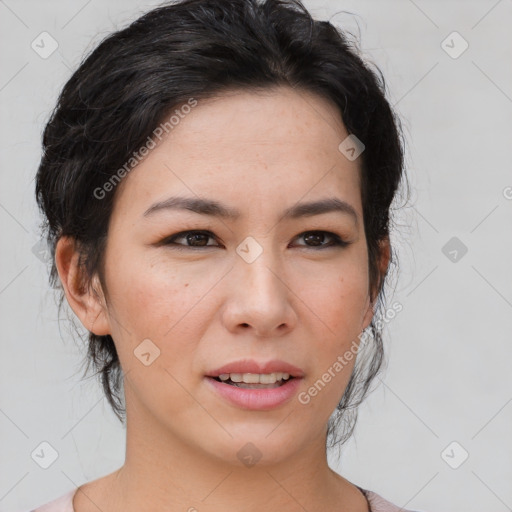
(251, 366)
(256, 399)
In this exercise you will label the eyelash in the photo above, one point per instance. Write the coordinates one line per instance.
(337, 240)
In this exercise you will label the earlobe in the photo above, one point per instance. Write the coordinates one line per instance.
(384, 259)
(385, 255)
(87, 302)
(368, 315)
(383, 263)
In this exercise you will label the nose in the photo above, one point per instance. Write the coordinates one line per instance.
(259, 300)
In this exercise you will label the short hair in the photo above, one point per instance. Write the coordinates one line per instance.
(134, 79)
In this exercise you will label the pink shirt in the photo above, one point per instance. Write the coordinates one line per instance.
(376, 503)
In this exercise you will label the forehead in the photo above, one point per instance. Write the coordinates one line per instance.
(271, 119)
(249, 146)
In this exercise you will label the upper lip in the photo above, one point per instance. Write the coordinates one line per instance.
(251, 366)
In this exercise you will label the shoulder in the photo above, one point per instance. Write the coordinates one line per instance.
(379, 504)
(63, 503)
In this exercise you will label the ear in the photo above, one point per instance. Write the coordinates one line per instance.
(384, 258)
(87, 302)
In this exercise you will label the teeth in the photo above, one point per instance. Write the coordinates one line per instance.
(255, 378)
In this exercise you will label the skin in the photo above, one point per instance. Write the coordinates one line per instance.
(206, 306)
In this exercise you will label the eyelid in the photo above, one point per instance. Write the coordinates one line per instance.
(337, 240)
(169, 240)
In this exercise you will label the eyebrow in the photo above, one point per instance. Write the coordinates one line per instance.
(216, 209)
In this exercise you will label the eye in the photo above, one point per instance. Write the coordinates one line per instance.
(198, 239)
(315, 239)
(194, 238)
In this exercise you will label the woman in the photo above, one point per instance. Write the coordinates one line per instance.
(216, 181)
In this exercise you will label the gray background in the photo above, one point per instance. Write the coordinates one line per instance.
(449, 350)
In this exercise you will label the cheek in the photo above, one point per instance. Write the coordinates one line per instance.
(166, 302)
(337, 295)
(137, 298)
(162, 308)
(336, 301)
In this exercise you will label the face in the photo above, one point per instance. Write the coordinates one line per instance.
(191, 291)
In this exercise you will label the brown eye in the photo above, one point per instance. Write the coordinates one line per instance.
(192, 238)
(197, 239)
(316, 239)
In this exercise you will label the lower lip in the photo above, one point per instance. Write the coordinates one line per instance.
(257, 399)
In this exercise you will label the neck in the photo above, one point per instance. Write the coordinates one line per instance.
(161, 470)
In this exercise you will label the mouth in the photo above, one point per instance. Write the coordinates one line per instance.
(257, 386)
(255, 391)
(254, 380)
